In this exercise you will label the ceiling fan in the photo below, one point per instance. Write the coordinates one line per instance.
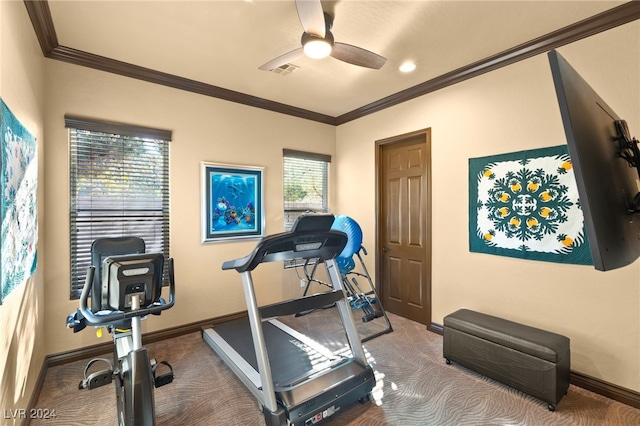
(317, 41)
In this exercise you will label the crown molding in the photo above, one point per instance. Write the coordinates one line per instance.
(85, 59)
(43, 26)
(609, 19)
(45, 32)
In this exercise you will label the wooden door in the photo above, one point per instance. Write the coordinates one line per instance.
(404, 238)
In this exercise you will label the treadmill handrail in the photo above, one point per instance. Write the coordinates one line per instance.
(291, 245)
(302, 304)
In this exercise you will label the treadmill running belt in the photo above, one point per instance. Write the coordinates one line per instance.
(291, 360)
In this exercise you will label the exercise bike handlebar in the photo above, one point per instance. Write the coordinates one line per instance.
(115, 316)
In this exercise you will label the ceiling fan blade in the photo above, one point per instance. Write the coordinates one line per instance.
(283, 59)
(311, 17)
(357, 56)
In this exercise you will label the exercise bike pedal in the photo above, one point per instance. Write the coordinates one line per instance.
(163, 379)
(97, 379)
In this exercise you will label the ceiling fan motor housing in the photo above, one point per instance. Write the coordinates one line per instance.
(328, 38)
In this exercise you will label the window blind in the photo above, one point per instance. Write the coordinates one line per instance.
(119, 186)
(306, 184)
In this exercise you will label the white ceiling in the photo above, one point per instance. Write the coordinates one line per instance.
(222, 43)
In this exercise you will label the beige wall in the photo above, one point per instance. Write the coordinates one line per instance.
(22, 346)
(508, 110)
(204, 129)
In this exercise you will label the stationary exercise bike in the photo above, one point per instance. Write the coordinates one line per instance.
(128, 289)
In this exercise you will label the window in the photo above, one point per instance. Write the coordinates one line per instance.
(119, 186)
(306, 184)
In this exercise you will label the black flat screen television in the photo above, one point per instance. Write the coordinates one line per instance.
(605, 160)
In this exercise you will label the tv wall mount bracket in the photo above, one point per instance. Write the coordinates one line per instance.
(628, 150)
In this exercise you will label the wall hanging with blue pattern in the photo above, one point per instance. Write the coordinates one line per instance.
(18, 197)
(525, 204)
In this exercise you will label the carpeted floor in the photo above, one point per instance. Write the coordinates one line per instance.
(414, 387)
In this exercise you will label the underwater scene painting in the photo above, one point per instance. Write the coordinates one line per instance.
(233, 197)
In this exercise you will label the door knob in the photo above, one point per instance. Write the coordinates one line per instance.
(385, 249)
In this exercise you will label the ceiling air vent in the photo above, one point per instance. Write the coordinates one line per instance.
(285, 69)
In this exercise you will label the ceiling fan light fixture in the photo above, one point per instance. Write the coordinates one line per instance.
(316, 47)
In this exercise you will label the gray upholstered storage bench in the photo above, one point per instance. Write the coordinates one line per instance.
(529, 359)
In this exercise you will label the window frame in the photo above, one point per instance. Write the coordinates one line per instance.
(303, 155)
(126, 134)
(288, 212)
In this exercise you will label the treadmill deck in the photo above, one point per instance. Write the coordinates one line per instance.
(306, 377)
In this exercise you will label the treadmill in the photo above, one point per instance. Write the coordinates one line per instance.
(296, 380)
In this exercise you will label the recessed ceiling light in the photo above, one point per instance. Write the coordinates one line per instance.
(407, 66)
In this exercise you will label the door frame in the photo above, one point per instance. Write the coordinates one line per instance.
(379, 145)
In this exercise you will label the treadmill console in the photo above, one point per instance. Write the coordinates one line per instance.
(313, 222)
(311, 237)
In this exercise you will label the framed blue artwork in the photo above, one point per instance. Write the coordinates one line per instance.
(232, 202)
